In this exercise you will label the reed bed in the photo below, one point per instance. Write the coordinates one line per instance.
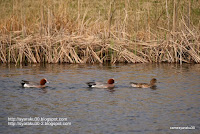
(80, 31)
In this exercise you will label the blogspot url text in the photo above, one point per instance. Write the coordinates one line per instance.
(36, 121)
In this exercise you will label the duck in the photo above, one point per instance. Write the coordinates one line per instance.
(41, 84)
(109, 84)
(144, 85)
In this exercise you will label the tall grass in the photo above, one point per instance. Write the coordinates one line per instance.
(85, 31)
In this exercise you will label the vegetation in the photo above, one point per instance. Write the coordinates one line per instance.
(98, 31)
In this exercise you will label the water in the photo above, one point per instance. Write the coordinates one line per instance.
(175, 102)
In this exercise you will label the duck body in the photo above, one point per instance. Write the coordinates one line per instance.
(41, 84)
(109, 84)
(140, 85)
(144, 85)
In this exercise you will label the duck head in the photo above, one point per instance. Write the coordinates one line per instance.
(111, 81)
(43, 81)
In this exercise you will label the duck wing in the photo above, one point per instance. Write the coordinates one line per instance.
(28, 82)
(133, 83)
(25, 82)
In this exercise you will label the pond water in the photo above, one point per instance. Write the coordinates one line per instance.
(175, 102)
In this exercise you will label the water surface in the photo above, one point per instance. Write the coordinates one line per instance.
(174, 102)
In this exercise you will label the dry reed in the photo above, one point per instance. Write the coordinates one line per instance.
(99, 32)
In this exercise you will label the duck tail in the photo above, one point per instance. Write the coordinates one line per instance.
(90, 84)
(22, 83)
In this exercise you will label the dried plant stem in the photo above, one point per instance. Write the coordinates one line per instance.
(99, 31)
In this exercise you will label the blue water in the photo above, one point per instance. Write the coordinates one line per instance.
(175, 102)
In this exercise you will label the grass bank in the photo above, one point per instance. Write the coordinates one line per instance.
(99, 31)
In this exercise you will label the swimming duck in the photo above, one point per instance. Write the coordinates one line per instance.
(144, 85)
(109, 84)
(34, 84)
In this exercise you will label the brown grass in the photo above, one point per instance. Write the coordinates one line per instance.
(99, 32)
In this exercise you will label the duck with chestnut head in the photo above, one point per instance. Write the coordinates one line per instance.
(41, 84)
(109, 84)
